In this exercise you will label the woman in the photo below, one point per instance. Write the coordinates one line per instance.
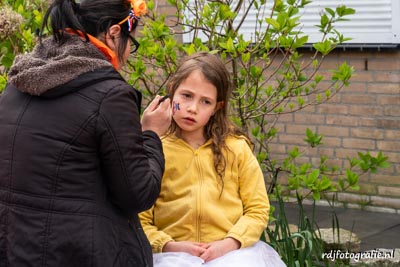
(76, 164)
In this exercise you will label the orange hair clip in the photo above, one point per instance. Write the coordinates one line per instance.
(139, 8)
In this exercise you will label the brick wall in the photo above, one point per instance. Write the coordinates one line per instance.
(363, 117)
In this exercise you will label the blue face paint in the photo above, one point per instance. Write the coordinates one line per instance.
(175, 107)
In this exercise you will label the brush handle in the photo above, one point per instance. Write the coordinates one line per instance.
(163, 98)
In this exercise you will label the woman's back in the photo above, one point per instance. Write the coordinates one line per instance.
(55, 205)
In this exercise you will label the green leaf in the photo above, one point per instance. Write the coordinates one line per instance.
(326, 183)
(316, 195)
(275, 24)
(330, 11)
(313, 139)
(324, 47)
(352, 178)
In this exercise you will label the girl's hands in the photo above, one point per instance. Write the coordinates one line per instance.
(193, 248)
(219, 248)
(157, 116)
(206, 251)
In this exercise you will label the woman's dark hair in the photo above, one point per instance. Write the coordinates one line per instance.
(88, 17)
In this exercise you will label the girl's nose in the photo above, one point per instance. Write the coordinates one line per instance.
(192, 107)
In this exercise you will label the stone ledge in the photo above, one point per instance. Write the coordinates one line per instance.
(339, 239)
(346, 204)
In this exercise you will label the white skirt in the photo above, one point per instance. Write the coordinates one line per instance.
(258, 255)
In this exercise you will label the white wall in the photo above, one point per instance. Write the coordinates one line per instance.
(376, 22)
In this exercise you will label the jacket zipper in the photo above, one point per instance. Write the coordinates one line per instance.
(198, 197)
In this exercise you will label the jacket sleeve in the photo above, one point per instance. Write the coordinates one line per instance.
(157, 238)
(132, 161)
(249, 227)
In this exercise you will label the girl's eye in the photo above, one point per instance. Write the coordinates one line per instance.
(207, 102)
(186, 95)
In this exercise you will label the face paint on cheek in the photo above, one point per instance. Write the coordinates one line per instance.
(175, 107)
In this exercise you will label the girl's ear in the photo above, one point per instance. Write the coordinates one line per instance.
(220, 105)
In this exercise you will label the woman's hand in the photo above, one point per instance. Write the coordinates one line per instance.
(193, 248)
(219, 248)
(157, 116)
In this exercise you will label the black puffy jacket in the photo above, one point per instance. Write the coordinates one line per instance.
(75, 169)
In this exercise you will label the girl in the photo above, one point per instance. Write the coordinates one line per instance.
(76, 164)
(213, 204)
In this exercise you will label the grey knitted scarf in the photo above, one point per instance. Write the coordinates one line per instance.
(50, 65)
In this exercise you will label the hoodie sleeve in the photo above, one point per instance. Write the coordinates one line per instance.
(132, 161)
(253, 194)
(157, 238)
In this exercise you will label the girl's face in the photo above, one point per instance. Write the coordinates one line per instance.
(194, 102)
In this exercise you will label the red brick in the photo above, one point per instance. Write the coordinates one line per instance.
(364, 76)
(392, 134)
(388, 123)
(333, 109)
(388, 145)
(384, 88)
(342, 120)
(298, 129)
(277, 148)
(367, 122)
(367, 133)
(355, 87)
(333, 131)
(309, 118)
(385, 179)
(359, 143)
(387, 76)
(325, 150)
(292, 139)
(392, 111)
(389, 191)
(345, 152)
(389, 100)
(331, 142)
(286, 117)
(358, 99)
(368, 111)
(384, 64)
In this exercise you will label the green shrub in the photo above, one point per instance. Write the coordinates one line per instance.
(20, 21)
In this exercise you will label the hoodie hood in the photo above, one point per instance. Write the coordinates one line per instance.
(51, 65)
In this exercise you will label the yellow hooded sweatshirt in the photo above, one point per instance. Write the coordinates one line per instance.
(191, 206)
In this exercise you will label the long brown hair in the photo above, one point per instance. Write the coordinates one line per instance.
(219, 127)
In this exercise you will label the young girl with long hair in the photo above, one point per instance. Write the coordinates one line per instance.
(213, 205)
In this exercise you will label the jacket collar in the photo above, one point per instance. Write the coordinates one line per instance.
(51, 65)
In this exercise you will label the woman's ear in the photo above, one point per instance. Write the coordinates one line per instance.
(114, 32)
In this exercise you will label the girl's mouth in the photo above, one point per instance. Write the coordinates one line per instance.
(190, 120)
